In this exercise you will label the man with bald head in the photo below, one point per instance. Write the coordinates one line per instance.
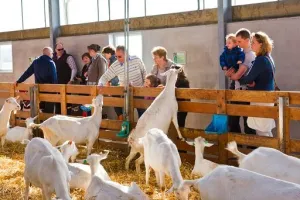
(44, 71)
(43, 68)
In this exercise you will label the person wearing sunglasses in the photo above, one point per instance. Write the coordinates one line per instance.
(137, 71)
(65, 65)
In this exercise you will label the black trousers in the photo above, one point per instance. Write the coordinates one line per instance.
(234, 121)
(181, 116)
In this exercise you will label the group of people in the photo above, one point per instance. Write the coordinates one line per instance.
(103, 68)
(247, 62)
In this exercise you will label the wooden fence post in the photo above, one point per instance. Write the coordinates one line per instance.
(34, 108)
(63, 102)
(12, 94)
(94, 94)
(131, 106)
(283, 124)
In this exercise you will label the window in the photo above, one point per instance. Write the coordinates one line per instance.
(244, 2)
(33, 14)
(47, 12)
(6, 64)
(79, 11)
(208, 4)
(135, 42)
(157, 7)
(103, 10)
(136, 8)
(116, 9)
(10, 15)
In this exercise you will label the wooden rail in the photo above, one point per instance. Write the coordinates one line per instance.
(199, 101)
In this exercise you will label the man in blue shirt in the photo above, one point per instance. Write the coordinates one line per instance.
(44, 71)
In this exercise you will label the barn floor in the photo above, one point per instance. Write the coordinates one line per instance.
(12, 167)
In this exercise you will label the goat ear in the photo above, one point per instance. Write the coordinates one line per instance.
(207, 144)
(35, 117)
(104, 155)
(17, 97)
(70, 142)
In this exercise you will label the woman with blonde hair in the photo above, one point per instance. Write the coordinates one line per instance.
(261, 77)
(161, 63)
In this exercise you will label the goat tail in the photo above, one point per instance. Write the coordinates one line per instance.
(232, 147)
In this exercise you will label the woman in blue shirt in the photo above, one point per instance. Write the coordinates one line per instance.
(261, 77)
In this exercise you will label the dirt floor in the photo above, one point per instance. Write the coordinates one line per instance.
(12, 167)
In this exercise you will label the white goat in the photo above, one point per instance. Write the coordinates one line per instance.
(160, 114)
(10, 105)
(162, 156)
(59, 128)
(81, 173)
(18, 133)
(100, 188)
(228, 183)
(202, 166)
(69, 150)
(269, 162)
(45, 168)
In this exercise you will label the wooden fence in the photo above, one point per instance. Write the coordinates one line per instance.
(286, 109)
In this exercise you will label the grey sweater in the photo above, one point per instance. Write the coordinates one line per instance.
(96, 69)
(156, 71)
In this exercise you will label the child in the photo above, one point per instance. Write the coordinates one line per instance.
(150, 81)
(232, 55)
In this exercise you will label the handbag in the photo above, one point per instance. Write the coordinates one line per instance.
(273, 71)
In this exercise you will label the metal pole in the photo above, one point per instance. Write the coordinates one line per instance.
(22, 13)
(126, 63)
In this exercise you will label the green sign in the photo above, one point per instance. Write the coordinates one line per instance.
(180, 57)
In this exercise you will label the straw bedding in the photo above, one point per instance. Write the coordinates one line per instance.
(12, 168)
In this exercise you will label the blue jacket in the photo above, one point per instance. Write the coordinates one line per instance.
(229, 58)
(44, 71)
(261, 73)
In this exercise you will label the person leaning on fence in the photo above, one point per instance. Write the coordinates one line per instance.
(86, 59)
(243, 37)
(109, 53)
(262, 74)
(137, 71)
(44, 71)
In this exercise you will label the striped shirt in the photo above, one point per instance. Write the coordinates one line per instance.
(137, 72)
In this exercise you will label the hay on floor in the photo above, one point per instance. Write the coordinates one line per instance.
(12, 167)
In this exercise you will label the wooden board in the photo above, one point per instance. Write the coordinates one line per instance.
(251, 96)
(191, 93)
(4, 95)
(112, 90)
(253, 140)
(49, 88)
(111, 124)
(56, 98)
(23, 95)
(23, 114)
(294, 113)
(5, 86)
(24, 86)
(111, 135)
(193, 133)
(113, 101)
(294, 97)
(295, 145)
(252, 111)
(20, 122)
(79, 89)
(77, 99)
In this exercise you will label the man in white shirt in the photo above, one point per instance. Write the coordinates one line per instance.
(137, 72)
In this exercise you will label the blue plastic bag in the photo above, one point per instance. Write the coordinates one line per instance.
(219, 125)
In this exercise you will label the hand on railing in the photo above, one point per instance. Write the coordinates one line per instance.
(251, 84)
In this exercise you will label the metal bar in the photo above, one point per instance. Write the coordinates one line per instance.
(109, 10)
(198, 2)
(98, 10)
(54, 21)
(224, 16)
(22, 13)
(45, 16)
(145, 7)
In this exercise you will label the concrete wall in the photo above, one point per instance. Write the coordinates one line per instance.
(200, 44)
